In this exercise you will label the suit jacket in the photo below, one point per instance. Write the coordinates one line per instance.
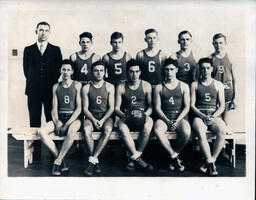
(41, 71)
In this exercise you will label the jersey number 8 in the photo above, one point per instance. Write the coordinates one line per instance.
(66, 100)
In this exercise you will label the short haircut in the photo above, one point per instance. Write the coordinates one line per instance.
(96, 64)
(67, 62)
(170, 61)
(43, 23)
(85, 34)
(116, 35)
(151, 30)
(184, 32)
(204, 60)
(219, 35)
(131, 63)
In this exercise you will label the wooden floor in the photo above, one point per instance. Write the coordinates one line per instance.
(113, 162)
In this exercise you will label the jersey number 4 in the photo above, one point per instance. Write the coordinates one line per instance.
(84, 69)
(171, 100)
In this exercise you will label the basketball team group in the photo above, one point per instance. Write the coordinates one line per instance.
(153, 94)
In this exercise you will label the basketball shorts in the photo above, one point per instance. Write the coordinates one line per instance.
(64, 117)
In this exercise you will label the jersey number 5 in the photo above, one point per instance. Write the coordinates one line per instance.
(208, 97)
(118, 68)
(151, 66)
(84, 69)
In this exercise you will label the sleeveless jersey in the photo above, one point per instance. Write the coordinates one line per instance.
(171, 100)
(223, 73)
(206, 96)
(82, 68)
(187, 68)
(116, 69)
(66, 97)
(98, 98)
(134, 99)
(151, 69)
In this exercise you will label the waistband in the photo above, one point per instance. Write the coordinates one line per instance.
(66, 111)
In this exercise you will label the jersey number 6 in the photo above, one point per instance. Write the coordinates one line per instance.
(151, 66)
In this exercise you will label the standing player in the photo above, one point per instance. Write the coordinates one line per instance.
(208, 103)
(66, 107)
(115, 61)
(83, 59)
(223, 72)
(187, 64)
(172, 103)
(98, 106)
(133, 106)
(151, 59)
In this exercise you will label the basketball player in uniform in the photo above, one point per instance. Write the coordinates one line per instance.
(83, 59)
(66, 107)
(98, 106)
(207, 104)
(172, 103)
(223, 72)
(187, 65)
(151, 59)
(115, 61)
(133, 106)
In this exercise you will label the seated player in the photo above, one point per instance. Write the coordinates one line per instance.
(98, 106)
(115, 61)
(223, 72)
(66, 107)
(83, 59)
(172, 103)
(151, 59)
(133, 106)
(207, 104)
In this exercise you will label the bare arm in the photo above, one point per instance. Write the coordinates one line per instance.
(221, 99)
(128, 57)
(96, 58)
(119, 93)
(111, 102)
(55, 117)
(148, 90)
(105, 60)
(85, 100)
(186, 102)
(158, 103)
(72, 57)
(193, 101)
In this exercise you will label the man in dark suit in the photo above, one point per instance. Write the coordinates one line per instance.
(41, 64)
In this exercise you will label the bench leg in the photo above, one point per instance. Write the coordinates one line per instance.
(234, 153)
(28, 152)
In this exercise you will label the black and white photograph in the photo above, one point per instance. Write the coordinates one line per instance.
(127, 100)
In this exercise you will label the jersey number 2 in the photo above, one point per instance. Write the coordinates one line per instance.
(133, 98)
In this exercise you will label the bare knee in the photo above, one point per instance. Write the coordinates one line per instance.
(42, 133)
(88, 131)
(107, 131)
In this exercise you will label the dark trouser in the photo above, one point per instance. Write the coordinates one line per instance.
(35, 111)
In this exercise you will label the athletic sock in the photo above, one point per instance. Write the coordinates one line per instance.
(57, 162)
(136, 155)
(174, 155)
(93, 160)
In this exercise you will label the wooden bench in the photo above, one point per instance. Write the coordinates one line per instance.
(29, 135)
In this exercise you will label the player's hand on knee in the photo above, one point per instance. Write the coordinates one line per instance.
(58, 126)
